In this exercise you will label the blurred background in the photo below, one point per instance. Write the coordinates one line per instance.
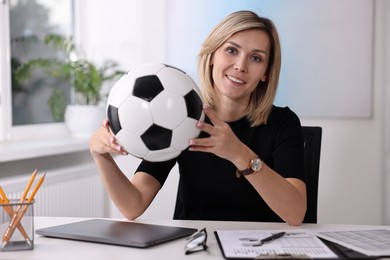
(335, 74)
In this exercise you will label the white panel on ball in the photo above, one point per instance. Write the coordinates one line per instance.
(183, 133)
(132, 143)
(175, 82)
(145, 69)
(162, 155)
(120, 91)
(137, 114)
(168, 109)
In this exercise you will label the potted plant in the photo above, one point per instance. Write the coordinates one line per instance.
(86, 78)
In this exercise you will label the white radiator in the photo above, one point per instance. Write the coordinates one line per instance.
(67, 192)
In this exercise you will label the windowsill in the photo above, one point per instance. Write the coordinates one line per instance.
(21, 150)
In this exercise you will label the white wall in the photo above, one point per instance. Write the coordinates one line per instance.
(353, 154)
(131, 33)
(126, 31)
(384, 71)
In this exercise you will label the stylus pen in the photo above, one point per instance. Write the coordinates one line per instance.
(257, 242)
(273, 237)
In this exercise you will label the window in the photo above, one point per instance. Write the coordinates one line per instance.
(24, 106)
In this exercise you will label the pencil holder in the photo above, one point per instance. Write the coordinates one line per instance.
(17, 226)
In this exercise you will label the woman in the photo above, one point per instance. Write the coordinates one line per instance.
(247, 163)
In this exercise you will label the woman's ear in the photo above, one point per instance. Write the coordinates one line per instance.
(264, 78)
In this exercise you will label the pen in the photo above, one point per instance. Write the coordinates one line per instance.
(273, 237)
(262, 241)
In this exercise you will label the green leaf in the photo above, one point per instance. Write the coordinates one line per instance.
(57, 104)
(60, 42)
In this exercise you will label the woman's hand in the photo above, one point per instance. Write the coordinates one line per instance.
(103, 141)
(222, 141)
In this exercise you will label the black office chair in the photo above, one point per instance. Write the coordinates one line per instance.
(312, 136)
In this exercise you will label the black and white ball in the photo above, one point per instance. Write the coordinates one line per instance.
(153, 110)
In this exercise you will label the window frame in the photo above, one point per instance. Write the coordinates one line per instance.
(8, 132)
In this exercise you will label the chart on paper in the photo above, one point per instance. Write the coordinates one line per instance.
(368, 242)
(234, 244)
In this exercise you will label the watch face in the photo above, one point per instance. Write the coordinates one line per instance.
(256, 164)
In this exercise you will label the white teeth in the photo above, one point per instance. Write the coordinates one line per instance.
(234, 79)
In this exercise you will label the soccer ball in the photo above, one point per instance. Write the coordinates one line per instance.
(153, 110)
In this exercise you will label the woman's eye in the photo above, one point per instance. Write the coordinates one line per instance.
(257, 58)
(231, 50)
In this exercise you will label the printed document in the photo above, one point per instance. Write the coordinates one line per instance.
(369, 242)
(296, 243)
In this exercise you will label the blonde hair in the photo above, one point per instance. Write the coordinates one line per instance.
(261, 100)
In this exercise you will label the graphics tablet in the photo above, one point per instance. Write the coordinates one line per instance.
(117, 232)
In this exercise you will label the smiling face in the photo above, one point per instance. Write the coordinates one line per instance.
(239, 64)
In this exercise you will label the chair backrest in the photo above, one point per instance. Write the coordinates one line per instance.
(312, 136)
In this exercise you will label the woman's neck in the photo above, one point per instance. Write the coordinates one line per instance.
(229, 110)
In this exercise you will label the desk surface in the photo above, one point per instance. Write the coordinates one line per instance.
(52, 248)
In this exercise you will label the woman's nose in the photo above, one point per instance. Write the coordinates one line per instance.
(240, 64)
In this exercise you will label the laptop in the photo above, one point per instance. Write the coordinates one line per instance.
(115, 232)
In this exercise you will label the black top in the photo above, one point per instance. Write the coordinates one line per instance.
(208, 186)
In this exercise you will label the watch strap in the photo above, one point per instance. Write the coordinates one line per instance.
(246, 171)
(250, 169)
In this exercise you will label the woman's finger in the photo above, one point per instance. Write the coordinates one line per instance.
(106, 123)
(210, 113)
(204, 127)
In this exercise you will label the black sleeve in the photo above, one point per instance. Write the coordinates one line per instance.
(288, 154)
(158, 170)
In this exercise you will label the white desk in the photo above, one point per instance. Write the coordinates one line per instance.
(51, 248)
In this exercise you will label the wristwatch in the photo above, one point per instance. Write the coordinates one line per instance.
(254, 166)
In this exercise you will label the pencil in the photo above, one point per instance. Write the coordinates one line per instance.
(30, 182)
(10, 211)
(25, 192)
(18, 215)
(36, 187)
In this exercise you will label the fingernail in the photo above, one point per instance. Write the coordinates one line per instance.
(105, 123)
